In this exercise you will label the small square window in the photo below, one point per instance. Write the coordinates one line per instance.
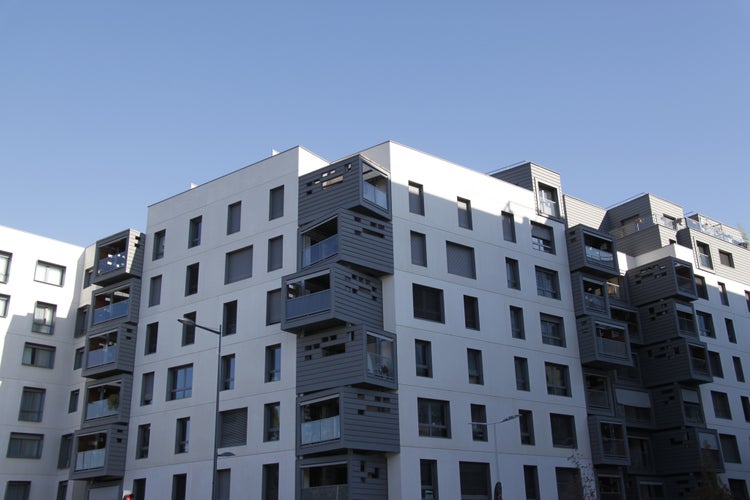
(434, 418)
(513, 275)
(44, 318)
(52, 274)
(423, 358)
(558, 379)
(276, 203)
(509, 227)
(416, 198)
(516, 323)
(160, 238)
(191, 279)
(428, 303)
(418, 249)
(460, 260)
(229, 315)
(234, 217)
(471, 312)
(726, 258)
(188, 331)
(476, 372)
(464, 213)
(275, 253)
(194, 231)
(238, 265)
(273, 363)
(272, 422)
(154, 291)
(563, 431)
(729, 448)
(152, 337)
(522, 373)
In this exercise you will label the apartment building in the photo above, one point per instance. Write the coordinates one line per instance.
(387, 325)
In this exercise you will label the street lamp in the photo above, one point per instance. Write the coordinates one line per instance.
(498, 494)
(193, 324)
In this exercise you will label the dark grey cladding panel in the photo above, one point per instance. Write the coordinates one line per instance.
(645, 240)
(133, 286)
(643, 206)
(604, 353)
(591, 250)
(661, 279)
(125, 353)
(519, 175)
(589, 303)
(615, 452)
(122, 416)
(672, 361)
(119, 257)
(669, 401)
(660, 321)
(680, 451)
(366, 476)
(579, 212)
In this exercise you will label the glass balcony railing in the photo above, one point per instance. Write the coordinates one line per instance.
(101, 408)
(705, 261)
(112, 311)
(320, 250)
(374, 194)
(308, 304)
(599, 256)
(548, 207)
(612, 348)
(101, 357)
(685, 285)
(334, 491)
(92, 459)
(612, 447)
(699, 366)
(317, 431)
(598, 398)
(111, 263)
(379, 365)
(594, 302)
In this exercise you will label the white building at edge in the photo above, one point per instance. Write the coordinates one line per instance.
(394, 326)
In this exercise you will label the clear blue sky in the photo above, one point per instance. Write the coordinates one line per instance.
(107, 106)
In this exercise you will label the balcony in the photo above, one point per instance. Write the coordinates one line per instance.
(118, 257)
(110, 351)
(666, 320)
(99, 453)
(114, 303)
(675, 361)
(329, 297)
(608, 441)
(320, 250)
(342, 477)
(342, 418)
(688, 450)
(679, 406)
(107, 401)
(592, 251)
(603, 344)
(662, 279)
(716, 229)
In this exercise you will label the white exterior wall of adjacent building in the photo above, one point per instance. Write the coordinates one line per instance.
(15, 332)
(251, 187)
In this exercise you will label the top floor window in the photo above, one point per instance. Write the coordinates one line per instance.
(416, 198)
(548, 204)
(4, 266)
(234, 215)
(194, 231)
(159, 240)
(276, 203)
(509, 227)
(726, 258)
(704, 255)
(464, 213)
(51, 274)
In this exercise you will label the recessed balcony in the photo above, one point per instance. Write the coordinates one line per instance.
(118, 302)
(668, 319)
(118, 257)
(603, 344)
(107, 400)
(592, 251)
(609, 441)
(110, 351)
(99, 453)
(343, 477)
(662, 279)
(676, 360)
(687, 450)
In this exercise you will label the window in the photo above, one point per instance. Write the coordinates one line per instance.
(701, 287)
(275, 253)
(729, 448)
(4, 299)
(73, 401)
(229, 318)
(721, 405)
(224, 480)
(610, 487)
(238, 265)
(705, 324)
(147, 388)
(478, 423)
(738, 371)
(270, 482)
(509, 227)
(416, 198)
(191, 279)
(157, 251)
(273, 363)
(428, 303)
(51, 274)
(5, 266)
(460, 260)
(188, 331)
(272, 421)
(531, 482)
(179, 487)
(548, 201)
(547, 284)
(418, 249)
(745, 407)
(17, 490)
(63, 455)
(234, 217)
(182, 435)
(738, 488)
(514, 277)
(553, 331)
(194, 232)
(522, 373)
(474, 358)
(423, 358)
(273, 306)
(434, 418)
(563, 431)
(475, 480)
(730, 330)
(227, 372)
(42, 356)
(233, 424)
(82, 315)
(704, 255)
(526, 426)
(25, 445)
(542, 238)
(44, 318)
(464, 213)
(558, 379)
(726, 258)
(180, 380)
(139, 489)
(714, 360)
(152, 336)
(87, 275)
(516, 323)
(78, 358)
(154, 291)
(142, 441)
(471, 312)
(723, 294)
(276, 203)
(32, 404)
(428, 479)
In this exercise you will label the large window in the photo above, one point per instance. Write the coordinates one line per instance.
(474, 360)
(18, 490)
(42, 356)
(434, 418)
(23, 445)
(423, 357)
(180, 382)
(428, 303)
(191, 279)
(51, 274)
(547, 283)
(194, 231)
(234, 217)
(460, 260)
(182, 435)
(271, 421)
(44, 318)
(275, 253)
(416, 198)
(475, 480)
(276, 203)
(553, 332)
(558, 379)
(154, 291)
(32, 404)
(233, 425)
(238, 265)
(542, 238)
(273, 363)
(418, 249)
(464, 213)
(563, 431)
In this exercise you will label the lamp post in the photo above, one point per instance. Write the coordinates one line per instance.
(193, 324)
(498, 490)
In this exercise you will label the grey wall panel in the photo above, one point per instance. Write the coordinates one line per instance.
(670, 362)
(519, 175)
(580, 212)
(670, 412)
(659, 280)
(367, 477)
(680, 451)
(659, 321)
(740, 256)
